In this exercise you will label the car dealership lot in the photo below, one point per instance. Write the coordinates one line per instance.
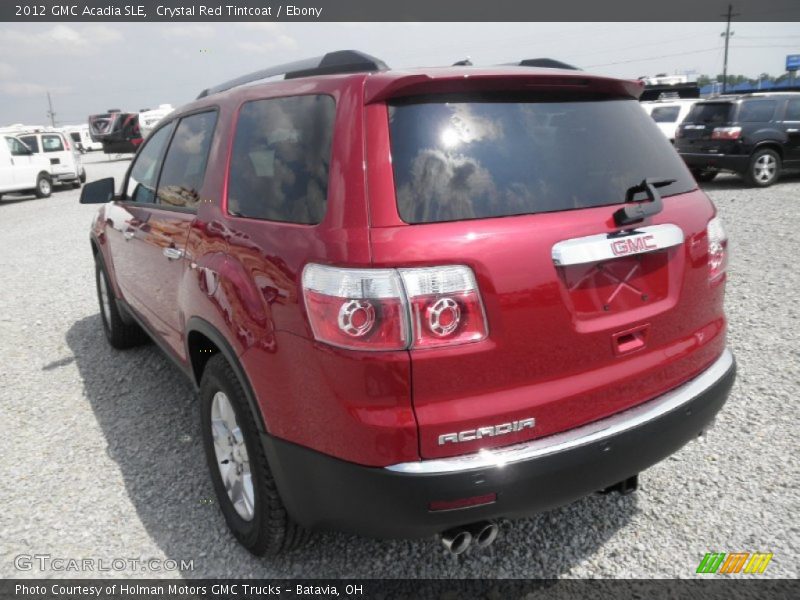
(103, 457)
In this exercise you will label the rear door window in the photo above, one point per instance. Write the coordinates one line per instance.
(141, 185)
(52, 143)
(476, 159)
(757, 111)
(185, 163)
(665, 114)
(31, 142)
(710, 113)
(792, 110)
(281, 154)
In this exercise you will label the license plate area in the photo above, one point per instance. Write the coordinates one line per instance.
(617, 285)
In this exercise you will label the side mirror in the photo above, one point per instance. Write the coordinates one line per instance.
(98, 192)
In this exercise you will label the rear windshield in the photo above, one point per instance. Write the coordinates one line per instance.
(477, 159)
(52, 143)
(710, 113)
(666, 114)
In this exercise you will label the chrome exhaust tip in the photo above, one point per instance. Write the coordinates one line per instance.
(484, 533)
(456, 540)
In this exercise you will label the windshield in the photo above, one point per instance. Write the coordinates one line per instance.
(710, 113)
(478, 159)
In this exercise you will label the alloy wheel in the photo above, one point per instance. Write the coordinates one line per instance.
(233, 461)
(764, 168)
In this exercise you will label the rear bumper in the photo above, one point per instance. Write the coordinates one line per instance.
(728, 162)
(322, 492)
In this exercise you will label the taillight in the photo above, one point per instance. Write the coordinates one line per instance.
(66, 143)
(390, 309)
(361, 309)
(445, 306)
(726, 133)
(717, 249)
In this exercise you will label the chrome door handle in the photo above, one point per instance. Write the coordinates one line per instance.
(792, 130)
(129, 234)
(173, 253)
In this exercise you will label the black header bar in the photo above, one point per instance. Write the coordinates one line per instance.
(394, 10)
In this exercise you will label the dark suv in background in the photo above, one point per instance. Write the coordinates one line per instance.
(754, 135)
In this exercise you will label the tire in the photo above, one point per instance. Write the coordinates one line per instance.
(704, 175)
(764, 168)
(44, 186)
(120, 333)
(76, 184)
(82, 176)
(258, 520)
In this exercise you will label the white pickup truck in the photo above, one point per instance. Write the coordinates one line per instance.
(21, 170)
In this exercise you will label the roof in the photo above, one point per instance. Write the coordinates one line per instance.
(380, 82)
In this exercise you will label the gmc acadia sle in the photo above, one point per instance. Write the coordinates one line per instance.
(415, 302)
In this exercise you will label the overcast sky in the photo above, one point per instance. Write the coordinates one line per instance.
(89, 68)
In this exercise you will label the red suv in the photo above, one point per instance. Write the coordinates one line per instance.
(417, 301)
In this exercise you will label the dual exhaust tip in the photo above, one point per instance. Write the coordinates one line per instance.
(459, 539)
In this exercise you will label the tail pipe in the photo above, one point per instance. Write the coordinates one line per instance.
(624, 487)
(459, 539)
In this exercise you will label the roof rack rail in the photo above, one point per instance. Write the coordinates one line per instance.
(774, 90)
(341, 61)
(548, 63)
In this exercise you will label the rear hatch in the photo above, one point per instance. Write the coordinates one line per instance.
(698, 126)
(582, 321)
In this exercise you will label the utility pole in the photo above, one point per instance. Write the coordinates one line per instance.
(50, 112)
(728, 33)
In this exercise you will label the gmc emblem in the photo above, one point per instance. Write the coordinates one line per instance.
(633, 245)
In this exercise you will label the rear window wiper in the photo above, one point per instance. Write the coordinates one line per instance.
(636, 210)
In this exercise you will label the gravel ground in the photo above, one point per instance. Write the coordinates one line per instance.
(103, 457)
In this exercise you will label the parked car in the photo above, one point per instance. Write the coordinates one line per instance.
(64, 159)
(149, 118)
(81, 138)
(668, 114)
(21, 170)
(117, 131)
(754, 135)
(300, 247)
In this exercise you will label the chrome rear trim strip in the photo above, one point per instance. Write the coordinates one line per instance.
(604, 246)
(574, 438)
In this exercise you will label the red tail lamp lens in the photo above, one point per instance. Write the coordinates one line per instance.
(390, 309)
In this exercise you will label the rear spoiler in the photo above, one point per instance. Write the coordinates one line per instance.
(379, 89)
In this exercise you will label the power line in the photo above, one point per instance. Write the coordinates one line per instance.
(644, 58)
(649, 43)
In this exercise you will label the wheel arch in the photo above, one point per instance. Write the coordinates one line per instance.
(203, 341)
(769, 145)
